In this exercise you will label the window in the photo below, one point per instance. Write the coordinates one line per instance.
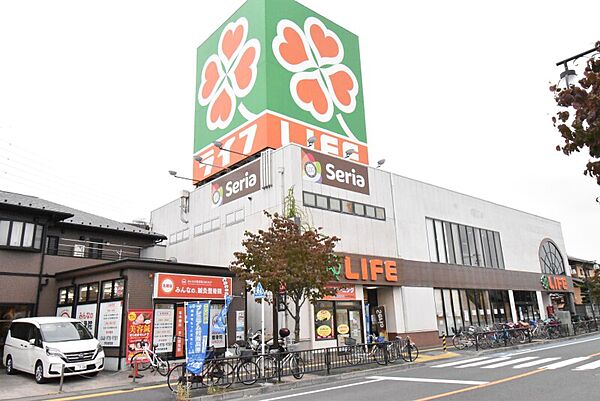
(207, 226)
(179, 236)
(113, 289)
(309, 199)
(95, 248)
(234, 217)
(342, 206)
(88, 293)
(359, 209)
(463, 245)
(52, 245)
(19, 234)
(322, 202)
(551, 259)
(66, 296)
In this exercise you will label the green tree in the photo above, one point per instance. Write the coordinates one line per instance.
(592, 288)
(578, 118)
(284, 255)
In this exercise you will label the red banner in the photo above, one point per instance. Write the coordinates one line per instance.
(187, 286)
(345, 292)
(139, 328)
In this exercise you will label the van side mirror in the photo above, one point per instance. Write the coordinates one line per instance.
(32, 341)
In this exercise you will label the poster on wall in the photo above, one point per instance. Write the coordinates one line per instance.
(380, 320)
(240, 320)
(164, 318)
(87, 315)
(64, 311)
(324, 321)
(139, 330)
(216, 340)
(109, 324)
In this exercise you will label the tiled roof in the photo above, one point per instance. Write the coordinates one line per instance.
(77, 217)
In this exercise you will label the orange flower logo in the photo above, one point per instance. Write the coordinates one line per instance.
(228, 75)
(320, 82)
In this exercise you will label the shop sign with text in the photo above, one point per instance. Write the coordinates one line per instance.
(345, 292)
(554, 283)
(186, 286)
(237, 184)
(366, 270)
(139, 331)
(328, 170)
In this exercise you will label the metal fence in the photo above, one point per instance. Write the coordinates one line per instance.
(250, 368)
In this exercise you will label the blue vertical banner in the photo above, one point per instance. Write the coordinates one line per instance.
(197, 317)
(219, 326)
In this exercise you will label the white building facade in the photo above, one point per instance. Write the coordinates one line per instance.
(416, 258)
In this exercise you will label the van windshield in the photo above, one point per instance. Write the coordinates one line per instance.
(64, 331)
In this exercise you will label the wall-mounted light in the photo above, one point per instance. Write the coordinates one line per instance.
(219, 145)
(200, 159)
(349, 153)
(380, 163)
(311, 141)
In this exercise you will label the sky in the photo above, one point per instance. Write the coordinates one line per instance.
(97, 100)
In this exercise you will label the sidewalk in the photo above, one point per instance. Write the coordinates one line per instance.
(23, 385)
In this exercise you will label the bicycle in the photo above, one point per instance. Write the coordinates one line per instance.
(215, 372)
(358, 354)
(147, 358)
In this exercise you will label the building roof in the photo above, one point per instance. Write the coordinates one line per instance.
(574, 259)
(68, 215)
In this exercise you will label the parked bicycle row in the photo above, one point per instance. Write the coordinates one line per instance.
(506, 334)
(247, 365)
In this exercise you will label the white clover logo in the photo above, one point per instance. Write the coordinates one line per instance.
(229, 75)
(320, 82)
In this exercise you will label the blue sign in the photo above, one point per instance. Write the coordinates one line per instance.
(197, 316)
(219, 326)
(259, 292)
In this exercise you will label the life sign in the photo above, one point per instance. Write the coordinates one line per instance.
(554, 283)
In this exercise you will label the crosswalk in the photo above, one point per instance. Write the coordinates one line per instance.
(581, 363)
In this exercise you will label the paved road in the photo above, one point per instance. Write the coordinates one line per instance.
(560, 371)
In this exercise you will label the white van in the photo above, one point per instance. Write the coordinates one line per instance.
(41, 345)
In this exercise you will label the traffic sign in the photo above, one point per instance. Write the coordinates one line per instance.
(259, 292)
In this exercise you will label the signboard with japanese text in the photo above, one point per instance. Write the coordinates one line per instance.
(64, 311)
(187, 286)
(180, 332)
(87, 315)
(240, 322)
(345, 292)
(109, 324)
(139, 329)
(164, 321)
(276, 73)
(216, 339)
(197, 319)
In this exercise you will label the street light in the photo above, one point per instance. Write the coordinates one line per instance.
(174, 174)
(200, 159)
(571, 73)
(219, 145)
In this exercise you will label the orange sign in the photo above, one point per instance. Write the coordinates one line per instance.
(187, 286)
(344, 292)
(139, 328)
(373, 270)
(557, 283)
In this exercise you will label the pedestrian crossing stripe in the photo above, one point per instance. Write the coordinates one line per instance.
(550, 363)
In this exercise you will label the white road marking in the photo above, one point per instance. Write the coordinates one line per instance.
(511, 362)
(536, 362)
(445, 365)
(555, 346)
(568, 362)
(589, 366)
(475, 364)
(283, 397)
(427, 380)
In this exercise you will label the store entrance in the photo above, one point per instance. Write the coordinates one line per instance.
(376, 316)
(526, 305)
(348, 317)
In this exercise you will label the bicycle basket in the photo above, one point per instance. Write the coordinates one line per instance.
(349, 341)
(246, 355)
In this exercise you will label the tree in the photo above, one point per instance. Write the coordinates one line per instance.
(286, 256)
(592, 288)
(578, 119)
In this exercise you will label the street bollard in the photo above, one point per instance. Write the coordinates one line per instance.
(444, 348)
(62, 378)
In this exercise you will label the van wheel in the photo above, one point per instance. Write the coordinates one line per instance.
(39, 373)
(10, 370)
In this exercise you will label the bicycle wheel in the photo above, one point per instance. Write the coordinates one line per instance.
(355, 355)
(163, 367)
(393, 350)
(458, 343)
(220, 374)
(410, 352)
(297, 366)
(142, 361)
(175, 376)
(379, 355)
(248, 373)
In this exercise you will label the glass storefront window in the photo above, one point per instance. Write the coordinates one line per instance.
(439, 311)
(457, 309)
(324, 320)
